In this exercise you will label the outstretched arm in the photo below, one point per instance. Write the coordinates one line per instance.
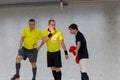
(44, 40)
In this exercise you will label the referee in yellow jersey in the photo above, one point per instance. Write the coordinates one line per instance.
(30, 37)
(54, 38)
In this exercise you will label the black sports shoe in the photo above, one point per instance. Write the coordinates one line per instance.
(15, 77)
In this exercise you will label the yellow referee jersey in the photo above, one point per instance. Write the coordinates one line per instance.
(53, 44)
(31, 37)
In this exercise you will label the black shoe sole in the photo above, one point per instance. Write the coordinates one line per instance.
(15, 79)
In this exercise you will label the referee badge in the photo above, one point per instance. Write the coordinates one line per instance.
(54, 38)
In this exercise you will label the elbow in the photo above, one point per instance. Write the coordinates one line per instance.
(43, 42)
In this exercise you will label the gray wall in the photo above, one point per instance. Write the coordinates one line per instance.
(98, 22)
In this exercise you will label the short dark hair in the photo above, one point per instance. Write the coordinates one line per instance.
(73, 26)
(32, 20)
(51, 20)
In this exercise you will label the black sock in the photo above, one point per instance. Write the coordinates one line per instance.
(34, 70)
(17, 68)
(54, 74)
(58, 75)
(84, 76)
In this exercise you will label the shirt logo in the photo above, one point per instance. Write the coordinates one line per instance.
(54, 38)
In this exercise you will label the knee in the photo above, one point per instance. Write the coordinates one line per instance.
(58, 69)
(33, 64)
(53, 68)
(18, 59)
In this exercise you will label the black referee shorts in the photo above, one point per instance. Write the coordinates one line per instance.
(30, 54)
(54, 59)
